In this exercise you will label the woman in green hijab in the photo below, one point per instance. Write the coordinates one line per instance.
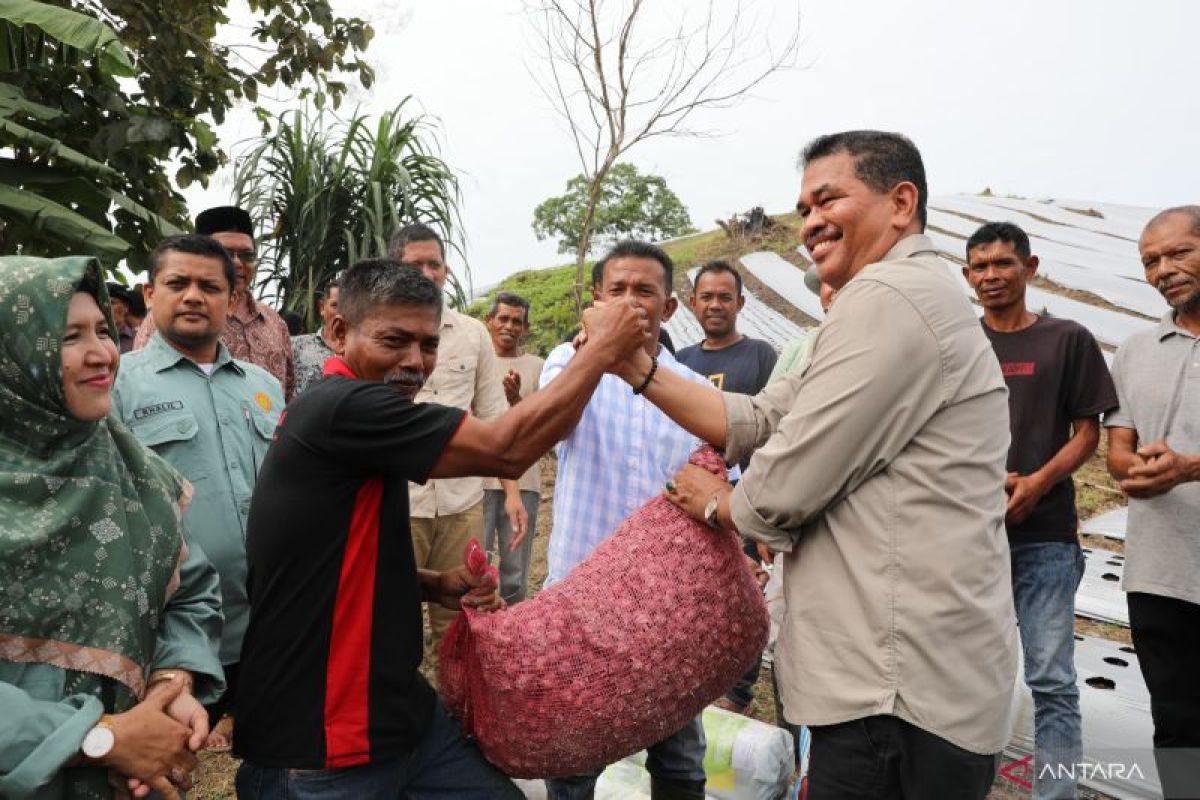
(108, 624)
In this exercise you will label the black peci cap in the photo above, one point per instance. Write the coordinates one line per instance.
(222, 219)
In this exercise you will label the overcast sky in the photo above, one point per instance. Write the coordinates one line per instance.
(1091, 99)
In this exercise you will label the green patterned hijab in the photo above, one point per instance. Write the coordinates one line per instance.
(90, 537)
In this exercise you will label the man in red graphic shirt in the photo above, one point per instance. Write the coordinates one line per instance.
(1058, 385)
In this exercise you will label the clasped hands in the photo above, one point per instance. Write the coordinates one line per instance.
(620, 329)
(155, 742)
(1158, 469)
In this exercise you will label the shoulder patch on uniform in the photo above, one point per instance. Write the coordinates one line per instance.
(264, 402)
(157, 408)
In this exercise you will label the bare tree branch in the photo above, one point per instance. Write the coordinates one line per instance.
(614, 87)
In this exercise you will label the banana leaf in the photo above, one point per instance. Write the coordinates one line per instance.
(60, 223)
(73, 29)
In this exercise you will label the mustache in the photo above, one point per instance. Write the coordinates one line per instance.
(405, 377)
(1170, 283)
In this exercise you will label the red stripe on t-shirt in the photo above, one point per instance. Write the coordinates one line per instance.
(347, 677)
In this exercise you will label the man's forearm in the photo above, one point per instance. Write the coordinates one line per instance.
(1122, 457)
(696, 408)
(1072, 455)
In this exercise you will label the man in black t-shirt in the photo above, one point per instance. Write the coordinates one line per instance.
(332, 703)
(734, 363)
(1058, 385)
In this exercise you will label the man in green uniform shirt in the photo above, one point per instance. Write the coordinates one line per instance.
(208, 414)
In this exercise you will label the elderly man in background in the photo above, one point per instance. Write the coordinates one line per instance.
(311, 350)
(1154, 451)
(254, 331)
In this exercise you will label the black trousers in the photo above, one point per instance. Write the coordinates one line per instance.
(887, 758)
(1166, 636)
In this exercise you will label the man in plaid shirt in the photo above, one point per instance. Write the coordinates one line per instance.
(620, 455)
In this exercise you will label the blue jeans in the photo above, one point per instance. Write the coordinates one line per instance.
(445, 764)
(677, 760)
(1045, 577)
(514, 565)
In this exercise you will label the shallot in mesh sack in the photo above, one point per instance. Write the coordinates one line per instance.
(660, 620)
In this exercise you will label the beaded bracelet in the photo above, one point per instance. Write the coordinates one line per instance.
(649, 375)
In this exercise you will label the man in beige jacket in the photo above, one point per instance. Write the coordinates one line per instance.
(880, 473)
(447, 512)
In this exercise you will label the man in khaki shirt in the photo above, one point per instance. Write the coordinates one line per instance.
(447, 513)
(880, 473)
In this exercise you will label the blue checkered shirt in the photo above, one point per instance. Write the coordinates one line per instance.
(619, 456)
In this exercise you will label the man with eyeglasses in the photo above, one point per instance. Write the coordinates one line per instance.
(254, 331)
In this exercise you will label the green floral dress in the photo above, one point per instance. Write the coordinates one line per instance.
(96, 586)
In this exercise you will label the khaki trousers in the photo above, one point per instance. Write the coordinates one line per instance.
(438, 544)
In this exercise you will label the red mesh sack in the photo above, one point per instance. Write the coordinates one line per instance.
(660, 620)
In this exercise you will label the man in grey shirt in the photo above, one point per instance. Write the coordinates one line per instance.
(1154, 451)
(880, 473)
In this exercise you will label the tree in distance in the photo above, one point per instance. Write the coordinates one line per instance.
(631, 206)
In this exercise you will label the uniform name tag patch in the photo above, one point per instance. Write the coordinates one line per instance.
(157, 408)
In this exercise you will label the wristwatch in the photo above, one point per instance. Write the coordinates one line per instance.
(99, 740)
(710, 510)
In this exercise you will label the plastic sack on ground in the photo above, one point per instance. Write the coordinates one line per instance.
(660, 620)
(746, 759)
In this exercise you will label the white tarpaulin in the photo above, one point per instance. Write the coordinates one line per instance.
(1111, 524)
(1117, 729)
(1109, 327)
(785, 279)
(1099, 596)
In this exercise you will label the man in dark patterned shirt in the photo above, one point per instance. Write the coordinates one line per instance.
(254, 331)
(310, 350)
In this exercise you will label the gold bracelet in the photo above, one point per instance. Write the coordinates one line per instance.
(161, 677)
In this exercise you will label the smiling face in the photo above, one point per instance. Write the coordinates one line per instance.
(189, 299)
(507, 324)
(999, 275)
(395, 344)
(847, 224)
(716, 303)
(89, 360)
(1170, 250)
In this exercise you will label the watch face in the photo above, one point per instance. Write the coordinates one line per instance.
(98, 742)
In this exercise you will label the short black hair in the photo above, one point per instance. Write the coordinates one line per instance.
(509, 299)
(417, 232)
(632, 248)
(718, 266)
(1192, 212)
(1007, 232)
(384, 281)
(196, 244)
(881, 160)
